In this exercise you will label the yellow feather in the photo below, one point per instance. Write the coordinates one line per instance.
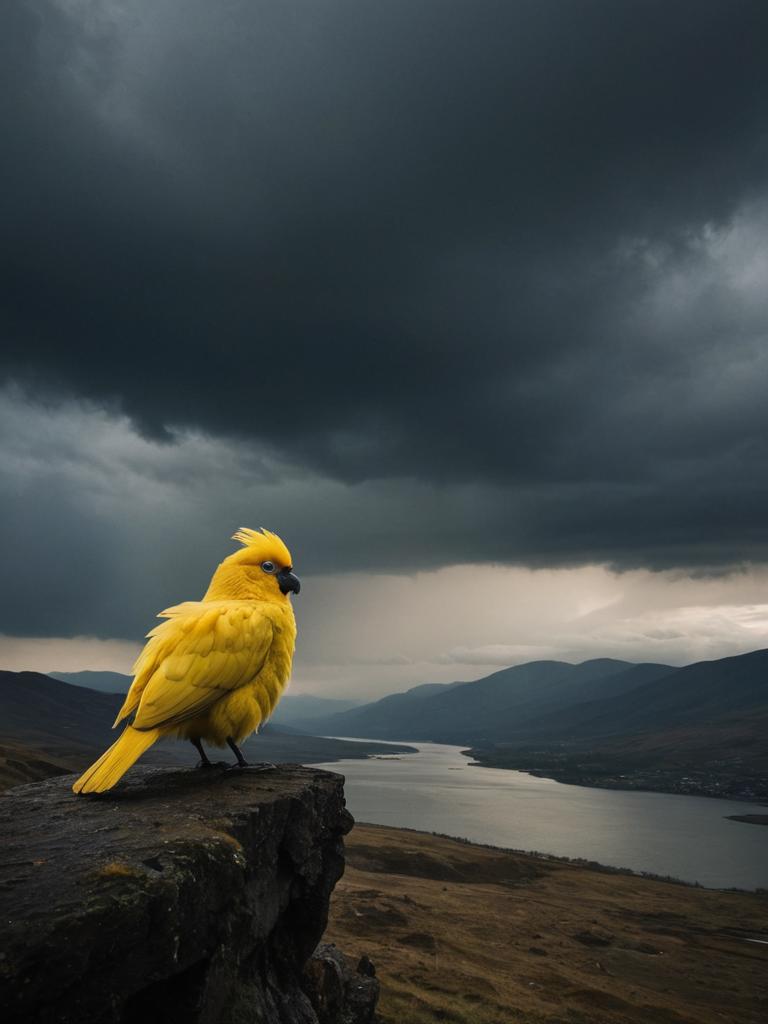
(116, 761)
(213, 669)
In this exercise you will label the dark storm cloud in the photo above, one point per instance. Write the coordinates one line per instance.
(505, 250)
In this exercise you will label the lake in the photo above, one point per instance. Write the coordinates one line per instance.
(439, 790)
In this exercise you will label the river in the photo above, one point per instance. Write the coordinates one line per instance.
(439, 790)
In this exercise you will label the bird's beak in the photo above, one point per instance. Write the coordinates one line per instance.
(288, 581)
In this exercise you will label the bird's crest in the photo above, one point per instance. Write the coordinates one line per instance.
(263, 545)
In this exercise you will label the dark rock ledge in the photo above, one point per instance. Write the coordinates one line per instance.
(181, 896)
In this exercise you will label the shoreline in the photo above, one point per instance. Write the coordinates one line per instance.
(678, 786)
(578, 862)
(463, 933)
(674, 785)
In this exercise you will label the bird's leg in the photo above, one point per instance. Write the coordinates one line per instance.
(205, 762)
(242, 763)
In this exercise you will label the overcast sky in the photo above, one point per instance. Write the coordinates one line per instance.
(466, 300)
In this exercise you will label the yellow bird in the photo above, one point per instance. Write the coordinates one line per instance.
(216, 668)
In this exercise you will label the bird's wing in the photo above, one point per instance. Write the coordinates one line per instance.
(162, 640)
(204, 651)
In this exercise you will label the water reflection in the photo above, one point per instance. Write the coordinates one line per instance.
(439, 790)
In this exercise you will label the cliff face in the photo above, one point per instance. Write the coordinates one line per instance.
(181, 896)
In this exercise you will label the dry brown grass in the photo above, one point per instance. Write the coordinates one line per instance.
(117, 869)
(20, 763)
(476, 936)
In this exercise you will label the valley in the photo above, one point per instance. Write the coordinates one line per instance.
(475, 935)
(699, 730)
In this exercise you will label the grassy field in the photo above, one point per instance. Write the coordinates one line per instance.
(477, 936)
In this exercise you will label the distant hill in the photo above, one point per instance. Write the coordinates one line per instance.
(699, 729)
(491, 708)
(106, 682)
(381, 718)
(295, 710)
(703, 694)
(661, 700)
(20, 763)
(48, 726)
(54, 715)
(301, 710)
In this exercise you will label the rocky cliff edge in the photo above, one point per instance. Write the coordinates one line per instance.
(181, 896)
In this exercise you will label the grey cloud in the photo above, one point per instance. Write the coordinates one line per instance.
(500, 655)
(101, 527)
(425, 284)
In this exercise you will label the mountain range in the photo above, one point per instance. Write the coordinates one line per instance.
(292, 708)
(104, 682)
(554, 700)
(48, 727)
(699, 729)
(489, 709)
(602, 719)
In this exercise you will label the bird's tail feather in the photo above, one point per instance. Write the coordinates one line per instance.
(116, 761)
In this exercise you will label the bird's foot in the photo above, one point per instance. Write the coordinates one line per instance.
(211, 764)
(244, 766)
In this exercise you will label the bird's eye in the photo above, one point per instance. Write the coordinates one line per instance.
(268, 566)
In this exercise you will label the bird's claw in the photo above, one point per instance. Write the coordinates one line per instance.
(261, 766)
(211, 764)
